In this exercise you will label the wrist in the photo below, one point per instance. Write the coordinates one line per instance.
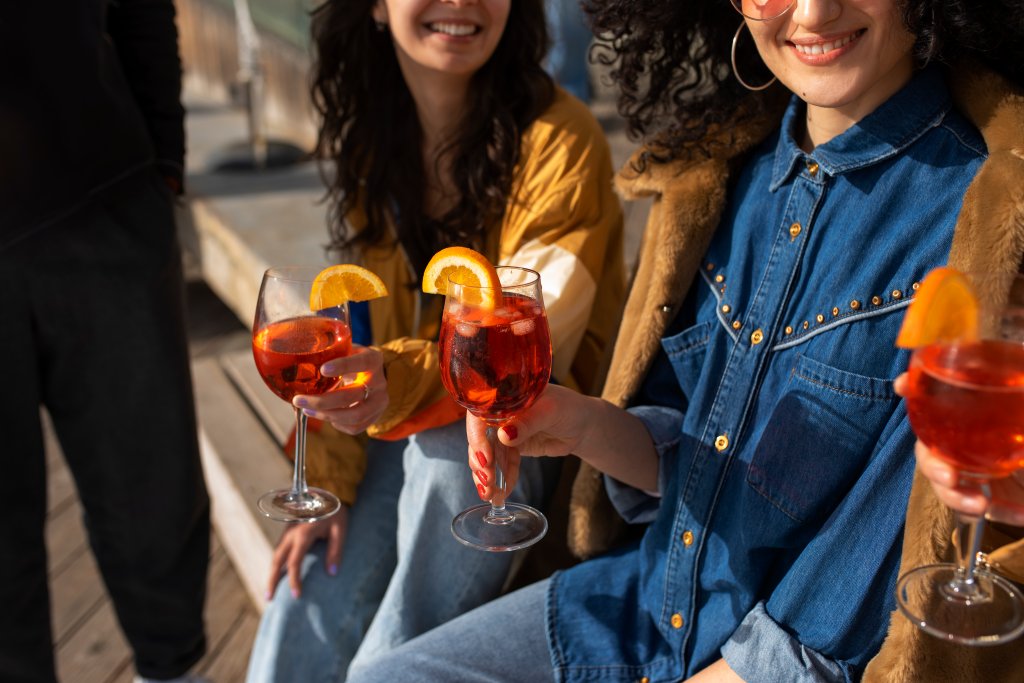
(594, 412)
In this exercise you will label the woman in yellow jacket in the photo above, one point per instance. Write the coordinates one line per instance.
(444, 130)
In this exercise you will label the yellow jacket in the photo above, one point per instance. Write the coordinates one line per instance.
(563, 219)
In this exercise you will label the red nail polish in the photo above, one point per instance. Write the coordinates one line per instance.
(482, 476)
(511, 431)
(481, 458)
(481, 490)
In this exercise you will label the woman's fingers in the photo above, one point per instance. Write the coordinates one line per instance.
(338, 529)
(484, 457)
(511, 471)
(899, 384)
(945, 481)
(1007, 493)
(360, 401)
(937, 470)
(552, 426)
(277, 564)
(294, 544)
(480, 456)
(294, 564)
(361, 359)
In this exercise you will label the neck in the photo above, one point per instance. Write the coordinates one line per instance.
(441, 101)
(824, 123)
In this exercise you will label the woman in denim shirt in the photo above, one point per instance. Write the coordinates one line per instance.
(763, 446)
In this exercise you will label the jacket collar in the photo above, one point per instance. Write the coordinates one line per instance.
(896, 124)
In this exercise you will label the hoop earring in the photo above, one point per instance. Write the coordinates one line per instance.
(736, 73)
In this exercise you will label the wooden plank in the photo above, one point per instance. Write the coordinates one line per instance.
(96, 650)
(66, 538)
(226, 600)
(241, 462)
(76, 593)
(228, 605)
(232, 660)
(277, 416)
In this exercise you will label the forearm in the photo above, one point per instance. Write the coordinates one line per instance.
(618, 444)
(719, 672)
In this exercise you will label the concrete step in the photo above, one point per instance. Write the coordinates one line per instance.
(240, 436)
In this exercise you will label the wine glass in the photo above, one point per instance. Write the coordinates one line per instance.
(289, 344)
(965, 401)
(495, 361)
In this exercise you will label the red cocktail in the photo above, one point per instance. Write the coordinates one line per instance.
(289, 354)
(495, 361)
(289, 344)
(967, 403)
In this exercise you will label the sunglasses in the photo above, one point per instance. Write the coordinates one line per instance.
(762, 10)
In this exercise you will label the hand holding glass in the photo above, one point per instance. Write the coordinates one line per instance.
(289, 344)
(965, 401)
(495, 352)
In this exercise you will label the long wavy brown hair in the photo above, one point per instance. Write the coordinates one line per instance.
(372, 136)
(670, 59)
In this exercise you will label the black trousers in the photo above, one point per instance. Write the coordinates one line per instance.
(92, 327)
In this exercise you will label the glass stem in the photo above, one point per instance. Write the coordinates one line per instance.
(299, 475)
(498, 514)
(969, 530)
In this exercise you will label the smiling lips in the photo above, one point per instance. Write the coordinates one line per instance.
(824, 50)
(452, 29)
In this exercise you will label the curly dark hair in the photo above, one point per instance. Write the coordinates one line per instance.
(372, 135)
(671, 62)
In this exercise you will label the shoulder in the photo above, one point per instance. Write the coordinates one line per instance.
(962, 133)
(567, 126)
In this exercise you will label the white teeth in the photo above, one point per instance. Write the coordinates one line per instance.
(825, 48)
(453, 29)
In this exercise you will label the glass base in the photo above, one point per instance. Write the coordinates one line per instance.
(987, 611)
(479, 528)
(285, 505)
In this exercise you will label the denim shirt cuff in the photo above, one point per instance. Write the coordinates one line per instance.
(634, 505)
(761, 650)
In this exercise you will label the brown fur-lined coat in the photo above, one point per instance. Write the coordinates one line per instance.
(688, 198)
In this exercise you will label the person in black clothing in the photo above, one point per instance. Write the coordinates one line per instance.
(91, 152)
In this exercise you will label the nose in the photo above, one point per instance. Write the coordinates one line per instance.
(816, 13)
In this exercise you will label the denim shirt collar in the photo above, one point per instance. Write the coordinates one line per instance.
(897, 123)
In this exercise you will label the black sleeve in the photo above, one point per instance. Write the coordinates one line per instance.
(146, 39)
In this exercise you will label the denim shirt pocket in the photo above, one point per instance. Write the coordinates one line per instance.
(821, 433)
(686, 351)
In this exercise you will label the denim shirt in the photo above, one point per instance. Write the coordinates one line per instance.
(786, 457)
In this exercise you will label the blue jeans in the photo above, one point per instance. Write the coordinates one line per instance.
(570, 46)
(401, 573)
(502, 641)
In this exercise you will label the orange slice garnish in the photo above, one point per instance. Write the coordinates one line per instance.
(336, 285)
(945, 309)
(465, 267)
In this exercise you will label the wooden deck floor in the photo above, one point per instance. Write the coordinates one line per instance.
(88, 643)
